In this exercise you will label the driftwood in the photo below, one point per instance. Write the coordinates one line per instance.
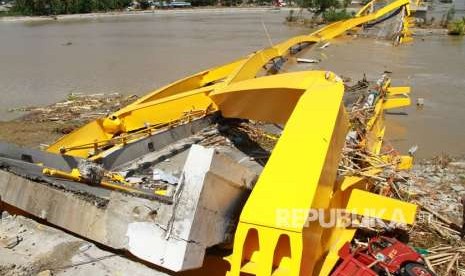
(453, 226)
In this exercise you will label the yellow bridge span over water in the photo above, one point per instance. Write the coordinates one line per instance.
(301, 173)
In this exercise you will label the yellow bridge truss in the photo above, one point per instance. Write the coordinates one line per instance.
(301, 173)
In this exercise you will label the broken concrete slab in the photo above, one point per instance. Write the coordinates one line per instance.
(61, 162)
(49, 251)
(206, 204)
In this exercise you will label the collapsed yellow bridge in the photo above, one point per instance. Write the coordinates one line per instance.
(302, 172)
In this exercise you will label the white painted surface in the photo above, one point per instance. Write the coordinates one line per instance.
(173, 248)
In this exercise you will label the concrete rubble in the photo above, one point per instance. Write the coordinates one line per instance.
(437, 186)
(43, 250)
(205, 207)
(205, 171)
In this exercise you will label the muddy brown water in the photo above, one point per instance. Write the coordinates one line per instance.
(42, 62)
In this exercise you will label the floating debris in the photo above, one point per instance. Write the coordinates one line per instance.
(420, 102)
(307, 60)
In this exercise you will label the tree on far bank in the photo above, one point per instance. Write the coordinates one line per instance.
(54, 7)
(319, 6)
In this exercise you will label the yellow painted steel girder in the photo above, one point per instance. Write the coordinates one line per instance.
(299, 175)
(301, 172)
(275, 234)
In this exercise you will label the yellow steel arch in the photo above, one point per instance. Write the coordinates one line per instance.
(299, 175)
(301, 172)
(172, 102)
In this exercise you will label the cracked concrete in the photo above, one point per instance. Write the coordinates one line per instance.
(207, 202)
(49, 251)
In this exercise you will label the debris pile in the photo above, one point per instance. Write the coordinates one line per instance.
(160, 171)
(360, 101)
(437, 186)
(77, 107)
(44, 125)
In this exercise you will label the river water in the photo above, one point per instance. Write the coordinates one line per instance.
(433, 67)
(42, 62)
(126, 54)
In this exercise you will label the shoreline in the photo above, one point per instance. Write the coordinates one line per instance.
(79, 16)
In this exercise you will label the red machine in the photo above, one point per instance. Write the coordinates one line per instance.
(382, 256)
(280, 3)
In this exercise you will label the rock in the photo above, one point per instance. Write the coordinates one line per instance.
(460, 165)
(10, 242)
(45, 273)
(164, 176)
(457, 188)
(4, 215)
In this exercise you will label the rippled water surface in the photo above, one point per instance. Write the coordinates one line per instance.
(42, 62)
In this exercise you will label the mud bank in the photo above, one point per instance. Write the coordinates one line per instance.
(44, 125)
(67, 17)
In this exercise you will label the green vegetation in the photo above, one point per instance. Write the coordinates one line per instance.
(213, 2)
(457, 27)
(323, 10)
(331, 15)
(450, 14)
(291, 17)
(10, 13)
(53, 7)
(320, 6)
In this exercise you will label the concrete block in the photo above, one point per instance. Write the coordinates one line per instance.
(206, 205)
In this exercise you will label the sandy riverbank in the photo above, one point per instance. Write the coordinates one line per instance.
(209, 10)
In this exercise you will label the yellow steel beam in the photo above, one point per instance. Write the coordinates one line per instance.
(381, 207)
(400, 90)
(269, 99)
(160, 111)
(396, 102)
(298, 176)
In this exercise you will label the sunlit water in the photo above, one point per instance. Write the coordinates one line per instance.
(125, 54)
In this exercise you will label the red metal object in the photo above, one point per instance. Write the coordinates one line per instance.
(351, 266)
(382, 254)
(390, 253)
